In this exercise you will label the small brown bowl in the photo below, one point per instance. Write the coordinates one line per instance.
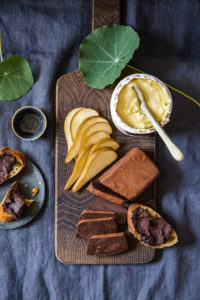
(29, 123)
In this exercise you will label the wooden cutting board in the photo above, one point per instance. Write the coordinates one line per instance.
(72, 92)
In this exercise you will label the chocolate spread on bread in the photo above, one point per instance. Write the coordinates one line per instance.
(14, 204)
(153, 230)
(7, 161)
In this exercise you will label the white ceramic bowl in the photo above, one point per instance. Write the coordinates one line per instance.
(119, 123)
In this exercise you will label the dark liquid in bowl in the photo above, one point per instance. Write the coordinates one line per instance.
(30, 123)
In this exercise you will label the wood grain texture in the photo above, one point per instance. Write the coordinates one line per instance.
(72, 92)
(105, 12)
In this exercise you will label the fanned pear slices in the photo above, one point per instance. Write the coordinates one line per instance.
(73, 120)
(88, 137)
(79, 118)
(93, 139)
(67, 123)
(78, 167)
(89, 126)
(96, 162)
(83, 156)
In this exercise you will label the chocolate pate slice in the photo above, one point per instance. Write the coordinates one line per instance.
(101, 190)
(105, 205)
(90, 227)
(107, 244)
(95, 214)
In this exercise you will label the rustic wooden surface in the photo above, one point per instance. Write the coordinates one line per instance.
(72, 92)
(105, 12)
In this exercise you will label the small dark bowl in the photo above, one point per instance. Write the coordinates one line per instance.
(29, 123)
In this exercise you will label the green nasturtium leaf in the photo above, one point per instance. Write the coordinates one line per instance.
(105, 52)
(16, 78)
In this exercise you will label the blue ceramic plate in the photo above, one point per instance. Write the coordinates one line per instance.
(32, 177)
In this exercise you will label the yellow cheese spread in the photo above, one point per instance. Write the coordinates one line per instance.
(128, 107)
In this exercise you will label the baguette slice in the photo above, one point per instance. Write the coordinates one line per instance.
(172, 240)
(19, 164)
(5, 216)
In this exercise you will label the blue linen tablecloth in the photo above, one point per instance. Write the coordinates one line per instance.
(48, 34)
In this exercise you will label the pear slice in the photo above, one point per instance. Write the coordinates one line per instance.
(100, 126)
(67, 123)
(78, 119)
(83, 156)
(84, 126)
(83, 132)
(105, 143)
(94, 138)
(96, 162)
(78, 167)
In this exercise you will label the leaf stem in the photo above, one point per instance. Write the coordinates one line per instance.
(169, 86)
(1, 49)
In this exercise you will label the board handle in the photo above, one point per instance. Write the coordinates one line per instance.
(105, 12)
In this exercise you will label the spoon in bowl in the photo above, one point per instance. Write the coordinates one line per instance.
(173, 149)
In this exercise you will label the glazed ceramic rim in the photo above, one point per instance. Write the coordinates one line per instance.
(119, 123)
(44, 118)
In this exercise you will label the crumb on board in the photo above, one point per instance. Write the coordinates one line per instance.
(40, 183)
(35, 191)
(26, 185)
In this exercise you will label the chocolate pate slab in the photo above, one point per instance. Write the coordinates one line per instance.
(130, 175)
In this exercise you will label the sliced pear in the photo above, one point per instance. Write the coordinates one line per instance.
(100, 126)
(78, 167)
(67, 123)
(105, 143)
(94, 138)
(96, 162)
(83, 156)
(83, 127)
(78, 119)
(82, 135)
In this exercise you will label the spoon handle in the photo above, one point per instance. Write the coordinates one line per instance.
(173, 149)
